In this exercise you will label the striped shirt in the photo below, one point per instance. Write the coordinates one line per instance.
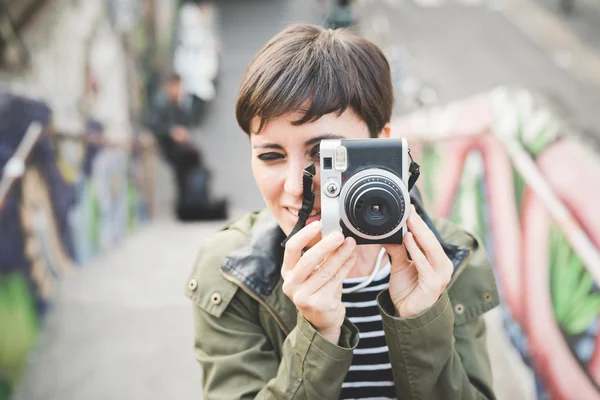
(370, 375)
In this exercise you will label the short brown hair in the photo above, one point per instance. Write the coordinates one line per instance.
(316, 71)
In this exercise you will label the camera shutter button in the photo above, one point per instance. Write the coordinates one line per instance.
(332, 189)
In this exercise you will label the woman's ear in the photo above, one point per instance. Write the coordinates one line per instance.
(386, 131)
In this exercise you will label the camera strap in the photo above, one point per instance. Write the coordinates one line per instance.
(415, 170)
(308, 200)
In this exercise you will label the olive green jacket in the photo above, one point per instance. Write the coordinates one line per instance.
(252, 343)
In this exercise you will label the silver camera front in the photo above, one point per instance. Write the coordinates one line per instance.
(363, 189)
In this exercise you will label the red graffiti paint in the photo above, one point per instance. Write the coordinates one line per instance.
(519, 229)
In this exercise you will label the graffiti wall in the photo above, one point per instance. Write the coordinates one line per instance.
(74, 200)
(504, 166)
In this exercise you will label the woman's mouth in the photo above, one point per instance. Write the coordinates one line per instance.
(315, 214)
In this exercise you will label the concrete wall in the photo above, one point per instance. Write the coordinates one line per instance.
(71, 43)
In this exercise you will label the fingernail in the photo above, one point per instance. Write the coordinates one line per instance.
(413, 213)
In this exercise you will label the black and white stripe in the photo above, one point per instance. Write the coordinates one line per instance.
(370, 375)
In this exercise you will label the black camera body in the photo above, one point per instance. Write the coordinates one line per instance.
(364, 189)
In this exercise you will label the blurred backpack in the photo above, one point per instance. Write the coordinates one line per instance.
(195, 202)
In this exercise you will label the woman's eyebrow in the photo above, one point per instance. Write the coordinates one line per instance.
(307, 143)
(322, 137)
(268, 146)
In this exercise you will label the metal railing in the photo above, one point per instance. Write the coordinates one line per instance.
(16, 165)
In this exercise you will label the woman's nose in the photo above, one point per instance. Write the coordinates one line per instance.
(293, 181)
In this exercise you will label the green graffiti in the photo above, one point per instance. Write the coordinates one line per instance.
(469, 203)
(94, 226)
(19, 329)
(519, 185)
(576, 304)
(536, 132)
(429, 161)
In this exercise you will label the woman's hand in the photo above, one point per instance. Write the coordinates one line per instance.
(313, 280)
(416, 285)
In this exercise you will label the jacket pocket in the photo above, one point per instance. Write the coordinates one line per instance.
(206, 286)
(474, 292)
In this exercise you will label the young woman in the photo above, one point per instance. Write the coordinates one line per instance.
(272, 322)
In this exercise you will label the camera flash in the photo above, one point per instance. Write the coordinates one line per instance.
(341, 163)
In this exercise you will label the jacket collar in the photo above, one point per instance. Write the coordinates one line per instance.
(257, 265)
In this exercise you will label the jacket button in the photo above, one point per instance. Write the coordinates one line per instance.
(487, 297)
(215, 299)
(459, 308)
(193, 284)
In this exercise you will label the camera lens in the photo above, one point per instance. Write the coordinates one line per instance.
(377, 212)
(375, 205)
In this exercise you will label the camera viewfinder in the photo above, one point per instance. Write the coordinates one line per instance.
(327, 163)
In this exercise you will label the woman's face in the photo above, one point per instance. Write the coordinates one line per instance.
(281, 152)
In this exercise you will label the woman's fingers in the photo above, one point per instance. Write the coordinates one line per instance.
(295, 246)
(398, 253)
(333, 286)
(319, 297)
(431, 247)
(425, 238)
(419, 259)
(330, 269)
(315, 256)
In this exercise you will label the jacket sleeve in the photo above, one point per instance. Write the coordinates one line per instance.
(239, 362)
(442, 353)
(434, 359)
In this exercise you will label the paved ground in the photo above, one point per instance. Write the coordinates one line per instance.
(121, 328)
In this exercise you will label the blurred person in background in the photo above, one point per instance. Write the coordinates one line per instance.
(272, 322)
(169, 120)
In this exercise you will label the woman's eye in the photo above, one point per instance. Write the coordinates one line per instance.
(270, 156)
(315, 153)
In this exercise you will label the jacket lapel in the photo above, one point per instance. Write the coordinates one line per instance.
(258, 266)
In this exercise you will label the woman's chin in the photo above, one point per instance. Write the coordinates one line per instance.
(287, 221)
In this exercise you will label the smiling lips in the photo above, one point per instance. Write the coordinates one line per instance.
(315, 214)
